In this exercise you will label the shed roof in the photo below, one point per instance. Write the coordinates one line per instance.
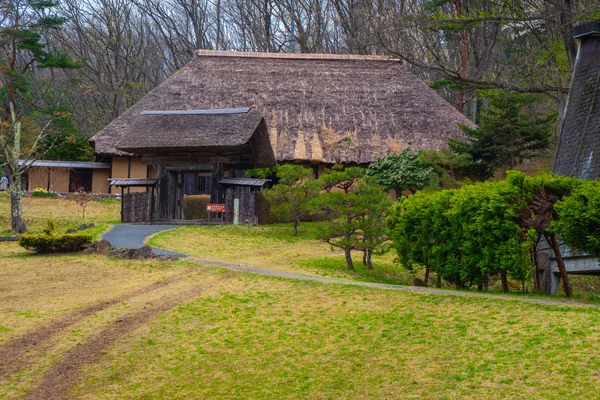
(131, 182)
(317, 108)
(65, 164)
(244, 182)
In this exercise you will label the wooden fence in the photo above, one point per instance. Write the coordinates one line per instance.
(136, 207)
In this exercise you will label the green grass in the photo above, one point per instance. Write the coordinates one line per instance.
(275, 247)
(257, 338)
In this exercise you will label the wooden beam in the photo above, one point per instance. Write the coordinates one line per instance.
(194, 160)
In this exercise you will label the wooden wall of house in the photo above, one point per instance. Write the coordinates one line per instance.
(55, 179)
(128, 167)
(100, 180)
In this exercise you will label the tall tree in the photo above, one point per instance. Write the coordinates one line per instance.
(25, 49)
(507, 136)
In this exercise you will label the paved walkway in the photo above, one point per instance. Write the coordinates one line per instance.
(133, 236)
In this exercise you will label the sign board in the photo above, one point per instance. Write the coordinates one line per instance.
(215, 208)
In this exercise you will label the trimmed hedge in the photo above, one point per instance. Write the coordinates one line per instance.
(42, 243)
(194, 206)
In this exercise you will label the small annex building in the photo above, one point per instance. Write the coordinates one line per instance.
(66, 176)
(226, 112)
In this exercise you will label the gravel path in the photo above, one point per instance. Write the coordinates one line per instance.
(133, 236)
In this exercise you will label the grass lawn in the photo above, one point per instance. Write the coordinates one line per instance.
(64, 212)
(94, 327)
(246, 336)
(275, 247)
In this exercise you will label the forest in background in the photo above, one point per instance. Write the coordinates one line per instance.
(462, 48)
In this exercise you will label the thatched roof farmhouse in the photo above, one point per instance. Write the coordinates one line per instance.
(226, 112)
(317, 108)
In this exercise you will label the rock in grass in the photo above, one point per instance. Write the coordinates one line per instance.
(70, 230)
(102, 246)
(82, 227)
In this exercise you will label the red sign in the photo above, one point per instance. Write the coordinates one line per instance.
(215, 208)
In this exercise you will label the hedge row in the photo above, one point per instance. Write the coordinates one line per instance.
(488, 229)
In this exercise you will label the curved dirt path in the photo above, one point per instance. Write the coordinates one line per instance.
(13, 355)
(415, 289)
(63, 374)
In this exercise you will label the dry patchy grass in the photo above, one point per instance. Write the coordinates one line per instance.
(64, 212)
(39, 291)
(249, 336)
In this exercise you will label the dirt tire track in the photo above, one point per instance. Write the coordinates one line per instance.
(12, 355)
(61, 376)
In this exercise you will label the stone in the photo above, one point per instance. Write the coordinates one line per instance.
(144, 252)
(70, 230)
(102, 246)
(91, 225)
(82, 227)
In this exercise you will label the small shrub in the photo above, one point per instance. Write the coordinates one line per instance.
(82, 198)
(43, 243)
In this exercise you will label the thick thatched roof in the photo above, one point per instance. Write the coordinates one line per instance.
(156, 132)
(317, 108)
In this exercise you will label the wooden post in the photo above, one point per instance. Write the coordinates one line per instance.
(122, 202)
(216, 176)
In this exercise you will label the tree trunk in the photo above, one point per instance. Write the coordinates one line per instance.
(364, 257)
(369, 263)
(296, 222)
(438, 282)
(551, 238)
(348, 258)
(426, 277)
(17, 223)
(504, 279)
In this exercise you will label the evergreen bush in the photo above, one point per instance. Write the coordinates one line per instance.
(44, 243)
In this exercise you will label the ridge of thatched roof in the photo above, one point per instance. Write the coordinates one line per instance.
(317, 108)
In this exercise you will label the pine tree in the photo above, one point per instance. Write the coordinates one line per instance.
(506, 137)
(27, 49)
